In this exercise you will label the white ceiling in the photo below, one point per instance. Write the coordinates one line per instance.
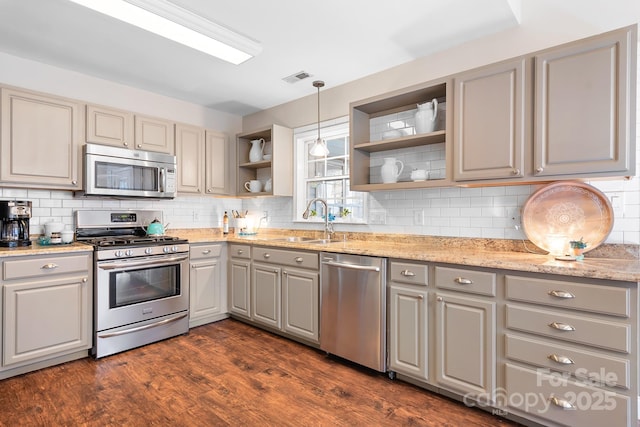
(334, 40)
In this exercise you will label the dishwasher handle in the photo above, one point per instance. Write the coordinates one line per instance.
(352, 266)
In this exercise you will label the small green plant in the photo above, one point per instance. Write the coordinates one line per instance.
(313, 213)
(578, 244)
(344, 212)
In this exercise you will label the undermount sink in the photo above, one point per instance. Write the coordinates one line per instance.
(293, 239)
(323, 241)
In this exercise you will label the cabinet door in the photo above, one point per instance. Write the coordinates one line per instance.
(490, 110)
(190, 158)
(266, 295)
(154, 134)
(408, 331)
(46, 318)
(216, 170)
(204, 289)
(109, 126)
(239, 285)
(41, 140)
(465, 344)
(583, 103)
(300, 299)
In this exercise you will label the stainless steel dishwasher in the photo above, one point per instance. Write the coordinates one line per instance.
(353, 308)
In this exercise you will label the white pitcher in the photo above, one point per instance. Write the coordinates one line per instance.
(257, 147)
(426, 116)
(390, 171)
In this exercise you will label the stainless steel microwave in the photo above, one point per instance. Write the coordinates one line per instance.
(120, 172)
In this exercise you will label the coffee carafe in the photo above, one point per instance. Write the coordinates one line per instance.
(14, 223)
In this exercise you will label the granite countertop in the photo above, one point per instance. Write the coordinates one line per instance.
(37, 249)
(609, 262)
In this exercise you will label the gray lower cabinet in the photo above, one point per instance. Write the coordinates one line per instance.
(465, 331)
(285, 292)
(571, 347)
(46, 311)
(239, 277)
(205, 284)
(408, 319)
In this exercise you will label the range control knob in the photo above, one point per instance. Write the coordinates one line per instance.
(174, 249)
(118, 253)
(129, 252)
(148, 251)
(166, 249)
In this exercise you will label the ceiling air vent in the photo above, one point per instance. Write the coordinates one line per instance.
(294, 78)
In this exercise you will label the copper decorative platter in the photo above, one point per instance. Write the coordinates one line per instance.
(564, 211)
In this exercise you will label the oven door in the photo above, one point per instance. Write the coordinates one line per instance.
(138, 289)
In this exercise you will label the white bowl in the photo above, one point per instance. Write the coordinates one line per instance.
(266, 157)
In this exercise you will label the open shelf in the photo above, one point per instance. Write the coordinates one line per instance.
(404, 142)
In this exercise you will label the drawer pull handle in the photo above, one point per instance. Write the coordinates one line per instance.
(561, 294)
(407, 273)
(439, 299)
(206, 252)
(267, 256)
(240, 251)
(50, 266)
(561, 326)
(299, 259)
(463, 281)
(561, 403)
(563, 360)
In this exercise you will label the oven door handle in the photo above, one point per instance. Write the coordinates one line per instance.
(142, 263)
(141, 328)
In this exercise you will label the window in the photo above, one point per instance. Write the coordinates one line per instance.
(326, 177)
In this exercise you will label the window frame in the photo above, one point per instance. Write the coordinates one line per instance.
(303, 136)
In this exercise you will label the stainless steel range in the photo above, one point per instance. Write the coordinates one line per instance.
(141, 290)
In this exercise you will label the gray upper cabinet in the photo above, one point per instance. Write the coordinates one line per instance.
(217, 171)
(190, 156)
(41, 140)
(109, 126)
(490, 111)
(584, 106)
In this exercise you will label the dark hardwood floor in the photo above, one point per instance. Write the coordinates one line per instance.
(226, 373)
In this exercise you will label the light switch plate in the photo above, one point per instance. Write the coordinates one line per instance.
(418, 217)
(377, 217)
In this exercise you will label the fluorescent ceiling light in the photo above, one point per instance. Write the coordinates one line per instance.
(180, 25)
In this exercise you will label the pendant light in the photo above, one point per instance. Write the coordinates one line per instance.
(319, 148)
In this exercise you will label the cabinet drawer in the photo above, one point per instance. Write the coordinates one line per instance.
(285, 257)
(458, 279)
(40, 267)
(205, 251)
(240, 251)
(534, 392)
(589, 366)
(581, 329)
(578, 296)
(404, 272)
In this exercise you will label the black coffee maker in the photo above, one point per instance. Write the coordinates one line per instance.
(14, 223)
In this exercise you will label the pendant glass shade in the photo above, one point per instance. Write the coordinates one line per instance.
(319, 147)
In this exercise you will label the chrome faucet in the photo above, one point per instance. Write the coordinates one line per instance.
(328, 227)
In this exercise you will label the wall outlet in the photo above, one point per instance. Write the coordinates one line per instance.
(418, 217)
(265, 216)
(196, 216)
(377, 217)
(617, 202)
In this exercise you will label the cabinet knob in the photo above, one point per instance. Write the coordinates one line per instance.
(74, 182)
(139, 145)
(240, 251)
(299, 259)
(421, 297)
(284, 273)
(407, 273)
(439, 299)
(267, 256)
(539, 169)
(206, 252)
(49, 266)
(561, 326)
(563, 360)
(561, 403)
(209, 190)
(515, 172)
(126, 144)
(84, 280)
(463, 281)
(561, 294)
